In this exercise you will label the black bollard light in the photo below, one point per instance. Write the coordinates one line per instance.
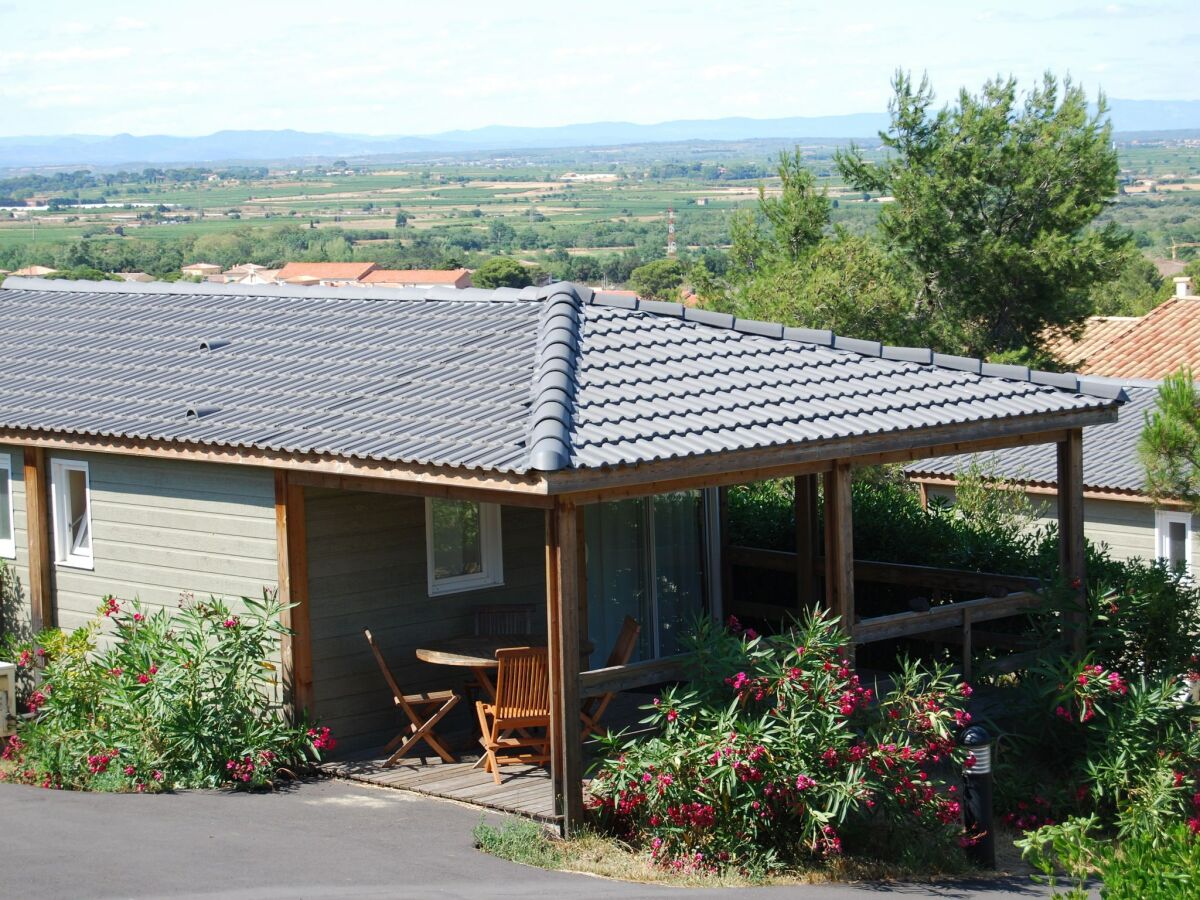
(977, 796)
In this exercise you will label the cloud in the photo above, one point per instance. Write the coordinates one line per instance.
(125, 23)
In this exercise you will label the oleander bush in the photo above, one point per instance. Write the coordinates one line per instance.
(776, 755)
(138, 700)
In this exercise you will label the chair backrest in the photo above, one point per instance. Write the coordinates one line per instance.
(522, 683)
(383, 667)
(627, 637)
(502, 620)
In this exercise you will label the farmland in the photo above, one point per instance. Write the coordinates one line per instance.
(545, 207)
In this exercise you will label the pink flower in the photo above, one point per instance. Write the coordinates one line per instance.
(750, 634)
(154, 670)
(130, 770)
(143, 678)
(231, 622)
(116, 672)
(672, 715)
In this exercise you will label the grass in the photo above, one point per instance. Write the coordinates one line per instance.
(528, 843)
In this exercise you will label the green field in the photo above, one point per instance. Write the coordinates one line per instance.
(529, 206)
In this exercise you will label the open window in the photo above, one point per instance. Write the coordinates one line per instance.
(1173, 538)
(462, 546)
(72, 502)
(8, 545)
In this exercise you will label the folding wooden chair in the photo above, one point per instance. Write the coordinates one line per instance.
(522, 706)
(502, 620)
(417, 708)
(622, 652)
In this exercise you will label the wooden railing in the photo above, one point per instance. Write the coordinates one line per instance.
(614, 679)
(1004, 595)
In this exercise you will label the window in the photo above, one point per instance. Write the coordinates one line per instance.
(72, 513)
(1173, 538)
(8, 546)
(462, 546)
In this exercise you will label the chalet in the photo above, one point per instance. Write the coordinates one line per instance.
(201, 270)
(394, 458)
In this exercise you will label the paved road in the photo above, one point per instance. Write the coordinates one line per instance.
(321, 840)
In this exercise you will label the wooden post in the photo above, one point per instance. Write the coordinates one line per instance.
(37, 529)
(839, 546)
(1072, 557)
(562, 621)
(291, 537)
(968, 649)
(726, 570)
(923, 493)
(805, 507)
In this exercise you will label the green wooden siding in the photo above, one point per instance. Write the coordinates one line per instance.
(366, 567)
(15, 614)
(163, 528)
(1126, 527)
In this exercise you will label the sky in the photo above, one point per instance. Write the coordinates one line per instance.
(396, 67)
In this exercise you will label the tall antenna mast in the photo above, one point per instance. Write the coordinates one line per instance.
(671, 246)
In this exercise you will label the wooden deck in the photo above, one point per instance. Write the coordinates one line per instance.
(523, 790)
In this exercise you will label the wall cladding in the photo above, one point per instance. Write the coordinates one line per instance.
(366, 566)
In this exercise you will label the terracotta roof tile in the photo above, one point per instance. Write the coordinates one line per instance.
(1098, 332)
(414, 276)
(342, 271)
(1159, 343)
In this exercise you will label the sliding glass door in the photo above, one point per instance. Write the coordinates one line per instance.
(646, 559)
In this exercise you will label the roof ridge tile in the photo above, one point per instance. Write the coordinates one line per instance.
(552, 400)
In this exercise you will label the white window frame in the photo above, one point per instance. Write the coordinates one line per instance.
(64, 554)
(8, 546)
(1162, 535)
(490, 548)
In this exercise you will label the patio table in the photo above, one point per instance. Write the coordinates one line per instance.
(478, 653)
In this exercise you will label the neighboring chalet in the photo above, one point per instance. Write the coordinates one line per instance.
(324, 274)
(1150, 346)
(34, 272)
(418, 278)
(1116, 508)
(201, 270)
(393, 458)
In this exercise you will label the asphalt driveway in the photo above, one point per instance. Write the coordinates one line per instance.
(324, 839)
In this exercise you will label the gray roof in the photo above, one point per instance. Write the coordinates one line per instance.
(511, 381)
(1110, 456)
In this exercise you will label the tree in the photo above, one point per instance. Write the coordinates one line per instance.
(401, 218)
(992, 204)
(657, 280)
(1134, 292)
(502, 271)
(783, 228)
(1170, 443)
(847, 284)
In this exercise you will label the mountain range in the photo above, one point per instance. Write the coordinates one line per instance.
(246, 146)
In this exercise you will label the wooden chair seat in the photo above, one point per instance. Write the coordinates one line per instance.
(416, 707)
(522, 705)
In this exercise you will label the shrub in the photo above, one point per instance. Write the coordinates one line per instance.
(777, 752)
(170, 700)
(1145, 866)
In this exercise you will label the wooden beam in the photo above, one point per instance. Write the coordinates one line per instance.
(409, 473)
(806, 528)
(291, 538)
(839, 546)
(39, 540)
(713, 469)
(418, 489)
(562, 620)
(1072, 557)
(1045, 489)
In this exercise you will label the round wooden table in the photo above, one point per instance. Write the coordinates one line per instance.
(478, 653)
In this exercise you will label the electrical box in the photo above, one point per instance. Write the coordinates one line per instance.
(8, 698)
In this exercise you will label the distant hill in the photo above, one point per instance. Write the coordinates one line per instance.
(245, 146)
